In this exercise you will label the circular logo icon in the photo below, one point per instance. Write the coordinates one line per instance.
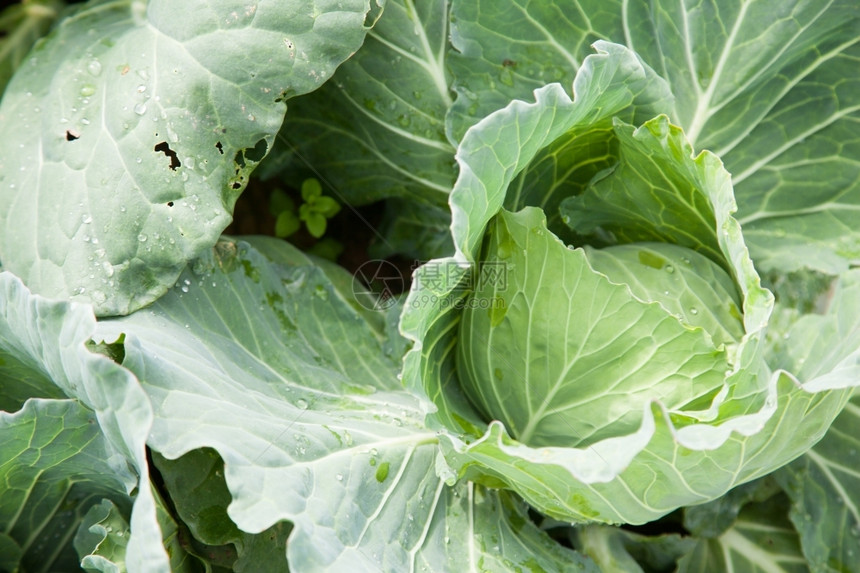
(376, 283)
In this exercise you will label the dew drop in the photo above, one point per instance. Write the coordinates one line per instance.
(669, 269)
(339, 477)
(302, 404)
(94, 68)
(86, 219)
(141, 88)
(694, 310)
(142, 238)
(140, 109)
(87, 90)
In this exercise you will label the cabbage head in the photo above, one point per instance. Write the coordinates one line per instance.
(598, 342)
(573, 342)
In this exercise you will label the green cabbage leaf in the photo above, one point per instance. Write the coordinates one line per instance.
(132, 145)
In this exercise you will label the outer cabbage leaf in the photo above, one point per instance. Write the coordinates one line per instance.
(413, 229)
(823, 484)
(824, 487)
(259, 355)
(489, 530)
(45, 342)
(761, 540)
(712, 519)
(383, 113)
(102, 538)
(503, 51)
(200, 495)
(761, 422)
(767, 85)
(55, 464)
(126, 150)
(618, 550)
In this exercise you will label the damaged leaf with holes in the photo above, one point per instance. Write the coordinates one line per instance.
(136, 132)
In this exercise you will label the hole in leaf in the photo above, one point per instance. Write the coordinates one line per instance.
(239, 160)
(258, 152)
(170, 203)
(219, 147)
(236, 185)
(284, 96)
(165, 148)
(72, 135)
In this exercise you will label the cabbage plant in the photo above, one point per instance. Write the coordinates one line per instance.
(630, 341)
